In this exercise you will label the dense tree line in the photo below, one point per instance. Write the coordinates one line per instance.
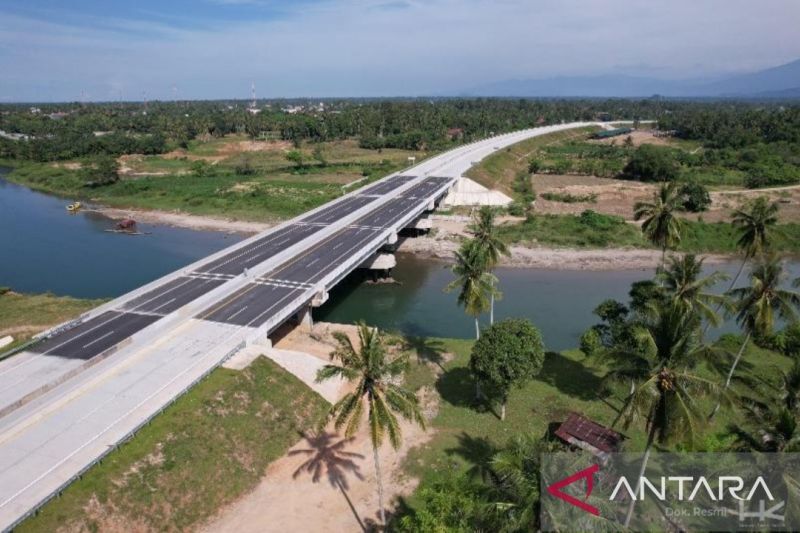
(64, 131)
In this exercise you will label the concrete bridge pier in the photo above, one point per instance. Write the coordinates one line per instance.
(380, 265)
(304, 319)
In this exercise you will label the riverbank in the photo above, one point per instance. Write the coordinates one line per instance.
(183, 220)
(439, 245)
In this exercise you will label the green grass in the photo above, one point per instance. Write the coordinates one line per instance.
(466, 430)
(583, 231)
(275, 190)
(203, 452)
(605, 231)
(24, 315)
(499, 170)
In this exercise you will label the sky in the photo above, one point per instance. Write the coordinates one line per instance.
(57, 50)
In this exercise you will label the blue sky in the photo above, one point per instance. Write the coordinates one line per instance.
(214, 48)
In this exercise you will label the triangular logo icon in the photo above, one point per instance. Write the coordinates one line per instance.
(586, 473)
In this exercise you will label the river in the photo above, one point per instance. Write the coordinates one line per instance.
(45, 249)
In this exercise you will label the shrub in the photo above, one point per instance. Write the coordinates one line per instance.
(568, 198)
(651, 163)
(695, 197)
(591, 342)
(596, 220)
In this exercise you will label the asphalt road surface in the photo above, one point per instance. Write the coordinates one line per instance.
(254, 304)
(95, 336)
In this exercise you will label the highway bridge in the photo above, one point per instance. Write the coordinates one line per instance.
(88, 385)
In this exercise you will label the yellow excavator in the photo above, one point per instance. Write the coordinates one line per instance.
(74, 208)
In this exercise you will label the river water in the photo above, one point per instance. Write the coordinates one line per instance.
(42, 248)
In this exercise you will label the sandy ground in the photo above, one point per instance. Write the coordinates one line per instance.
(639, 137)
(325, 482)
(617, 197)
(183, 220)
(443, 244)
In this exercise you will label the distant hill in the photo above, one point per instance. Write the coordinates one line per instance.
(777, 82)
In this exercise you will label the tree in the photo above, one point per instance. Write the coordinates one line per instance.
(755, 224)
(661, 226)
(508, 354)
(487, 245)
(474, 284)
(665, 401)
(651, 163)
(694, 197)
(683, 283)
(376, 393)
(758, 304)
(103, 171)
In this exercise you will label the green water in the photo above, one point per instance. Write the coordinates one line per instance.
(560, 303)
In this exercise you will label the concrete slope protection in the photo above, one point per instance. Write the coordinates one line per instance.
(90, 384)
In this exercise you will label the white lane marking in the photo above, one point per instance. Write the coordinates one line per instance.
(338, 245)
(82, 334)
(237, 313)
(165, 304)
(98, 339)
(312, 262)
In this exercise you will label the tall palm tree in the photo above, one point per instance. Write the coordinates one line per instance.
(682, 282)
(487, 244)
(474, 283)
(759, 304)
(660, 224)
(376, 393)
(665, 402)
(755, 224)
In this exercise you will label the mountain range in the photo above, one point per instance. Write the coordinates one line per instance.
(777, 82)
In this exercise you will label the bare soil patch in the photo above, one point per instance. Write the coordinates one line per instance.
(639, 137)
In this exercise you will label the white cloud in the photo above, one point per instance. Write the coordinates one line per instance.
(396, 47)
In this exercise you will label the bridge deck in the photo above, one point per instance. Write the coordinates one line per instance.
(153, 348)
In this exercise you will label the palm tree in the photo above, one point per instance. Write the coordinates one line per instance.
(376, 393)
(474, 283)
(661, 226)
(666, 399)
(682, 283)
(758, 305)
(755, 224)
(778, 432)
(487, 245)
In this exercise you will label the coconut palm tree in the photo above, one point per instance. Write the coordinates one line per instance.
(660, 224)
(755, 224)
(759, 304)
(377, 394)
(487, 245)
(682, 282)
(665, 401)
(474, 283)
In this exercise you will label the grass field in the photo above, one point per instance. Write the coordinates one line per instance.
(204, 451)
(240, 178)
(601, 231)
(467, 432)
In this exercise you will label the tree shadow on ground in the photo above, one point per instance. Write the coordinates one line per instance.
(427, 350)
(457, 387)
(570, 377)
(327, 456)
(477, 451)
